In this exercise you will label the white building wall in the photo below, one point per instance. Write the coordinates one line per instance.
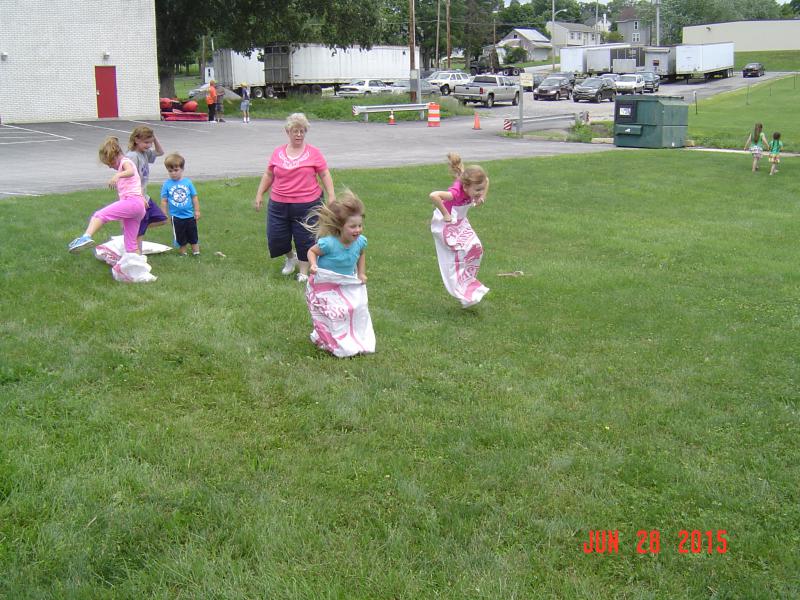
(747, 36)
(49, 49)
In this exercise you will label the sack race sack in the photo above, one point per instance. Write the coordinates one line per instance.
(111, 251)
(132, 268)
(339, 314)
(459, 252)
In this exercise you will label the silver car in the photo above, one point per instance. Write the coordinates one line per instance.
(403, 86)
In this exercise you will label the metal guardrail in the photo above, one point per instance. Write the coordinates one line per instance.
(512, 122)
(377, 108)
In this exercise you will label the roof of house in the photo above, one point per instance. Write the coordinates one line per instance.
(575, 26)
(531, 35)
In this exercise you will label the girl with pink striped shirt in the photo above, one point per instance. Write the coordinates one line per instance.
(130, 207)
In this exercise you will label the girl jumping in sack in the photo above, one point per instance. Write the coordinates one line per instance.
(458, 249)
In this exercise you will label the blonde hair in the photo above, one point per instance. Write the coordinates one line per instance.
(174, 160)
(296, 121)
(330, 218)
(468, 176)
(109, 151)
(141, 132)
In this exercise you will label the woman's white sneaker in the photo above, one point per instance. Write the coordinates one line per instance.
(289, 265)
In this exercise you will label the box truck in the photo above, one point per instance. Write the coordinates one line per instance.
(573, 60)
(614, 58)
(660, 60)
(307, 68)
(704, 60)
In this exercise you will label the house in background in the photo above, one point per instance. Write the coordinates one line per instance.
(536, 44)
(64, 60)
(747, 36)
(571, 34)
(633, 29)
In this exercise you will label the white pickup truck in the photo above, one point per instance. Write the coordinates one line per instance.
(488, 89)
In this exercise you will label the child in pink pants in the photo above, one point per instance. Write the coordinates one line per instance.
(129, 209)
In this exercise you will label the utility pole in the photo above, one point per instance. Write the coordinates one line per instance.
(412, 47)
(658, 21)
(447, 18)
(438, 22)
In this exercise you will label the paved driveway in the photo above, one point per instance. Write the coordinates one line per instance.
(45, 158)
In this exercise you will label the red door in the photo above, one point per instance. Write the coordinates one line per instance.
(106, 82)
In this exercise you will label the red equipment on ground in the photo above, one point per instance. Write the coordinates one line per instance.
(173, 109)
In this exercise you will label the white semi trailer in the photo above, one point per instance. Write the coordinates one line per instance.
(307, 68)
(704, 60)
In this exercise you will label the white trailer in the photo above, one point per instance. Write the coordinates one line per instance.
(603, 58)
(307, 68)
(704, 60)
(573, 60)
(660, 60)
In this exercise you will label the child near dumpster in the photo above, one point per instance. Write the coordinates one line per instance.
(756, 142)
(179, 197)
(335, 292)
(143, 149)
(129, 209)
(458, 249)
(775, 147)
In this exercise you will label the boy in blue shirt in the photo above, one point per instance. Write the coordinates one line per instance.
(184, 208)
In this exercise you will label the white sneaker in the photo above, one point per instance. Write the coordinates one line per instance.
(302, 277)
(289, 265)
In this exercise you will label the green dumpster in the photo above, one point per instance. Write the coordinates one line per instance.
(650, 121)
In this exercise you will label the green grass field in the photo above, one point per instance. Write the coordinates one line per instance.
(184, 439)
(773, 60)
(724, 121)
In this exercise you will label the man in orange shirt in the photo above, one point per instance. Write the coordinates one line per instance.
(211, 101)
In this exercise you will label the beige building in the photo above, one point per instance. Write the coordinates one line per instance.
(572, 34)
(747, 35)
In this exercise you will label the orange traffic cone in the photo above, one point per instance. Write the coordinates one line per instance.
(391, 118)
(477, 124)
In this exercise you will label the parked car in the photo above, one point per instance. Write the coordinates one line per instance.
(447, 80)
(553, 88)
(404, 86)
(364, 87)
(569, 75)
(753, 70)
(613, 77)
(631, 83)
(652, 81)
(594, 89)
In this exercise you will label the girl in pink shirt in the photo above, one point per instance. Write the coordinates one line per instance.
(458, 248)
(292, 178)
(130, 207)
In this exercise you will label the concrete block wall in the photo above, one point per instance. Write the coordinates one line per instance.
(49, 50)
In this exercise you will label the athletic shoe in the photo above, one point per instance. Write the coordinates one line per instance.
(289, 265)
(302, 277)
(80, 243)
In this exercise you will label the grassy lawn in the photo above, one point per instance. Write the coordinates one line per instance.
(725, 120)
(184, 439)
(773, 60)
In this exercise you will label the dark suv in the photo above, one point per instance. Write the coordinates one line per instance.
(553, 88)
(594, 89)
(652, 81)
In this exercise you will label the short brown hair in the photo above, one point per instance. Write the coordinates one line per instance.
(109, 151)
(141, 132)
(174, 160)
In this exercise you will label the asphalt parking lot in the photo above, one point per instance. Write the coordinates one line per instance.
(44, 158)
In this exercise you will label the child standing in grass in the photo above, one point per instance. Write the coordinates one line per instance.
(458, 248)
(335, 292)
(179, 194)
(756, 142)
(775, 147)
(245, 105)
(129, 209)
(143, 149)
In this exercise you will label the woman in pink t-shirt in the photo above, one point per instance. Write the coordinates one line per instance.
(292, 177)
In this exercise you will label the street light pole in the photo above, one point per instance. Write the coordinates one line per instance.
(553, 31)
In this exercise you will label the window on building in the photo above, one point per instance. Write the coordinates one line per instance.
(635, 25)
(635, 37)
